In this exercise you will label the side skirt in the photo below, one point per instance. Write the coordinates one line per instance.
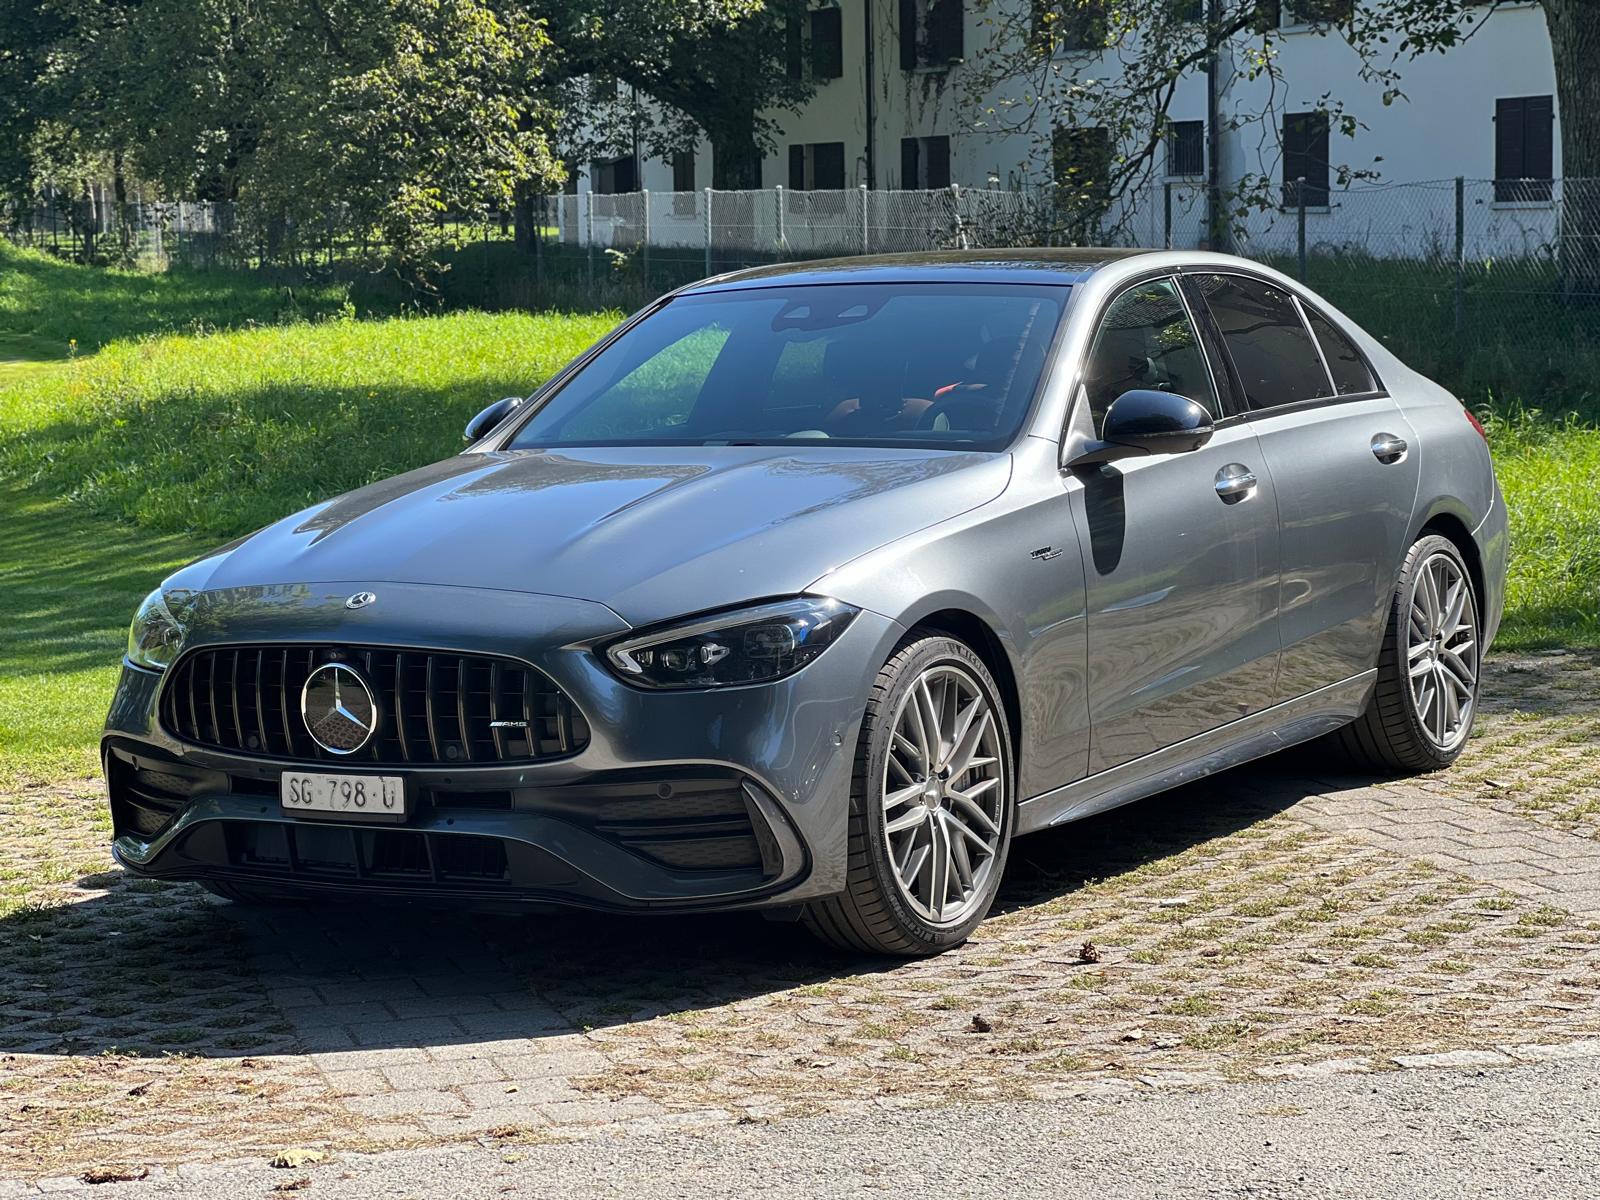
(1276, 728)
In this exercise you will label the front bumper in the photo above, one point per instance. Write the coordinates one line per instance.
(690, 800)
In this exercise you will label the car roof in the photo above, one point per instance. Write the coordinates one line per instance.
(1046, 265)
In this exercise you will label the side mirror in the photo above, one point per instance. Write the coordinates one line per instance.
(1148, 422)
(489, 418)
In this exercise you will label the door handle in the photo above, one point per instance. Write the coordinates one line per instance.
(1387, 448)
(1235, 482)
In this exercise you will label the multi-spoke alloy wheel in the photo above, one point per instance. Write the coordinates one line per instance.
(1442, 650)
(1426, 692)
(943, 794)
(931, 809)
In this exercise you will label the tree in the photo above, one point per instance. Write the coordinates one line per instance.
(717, 67)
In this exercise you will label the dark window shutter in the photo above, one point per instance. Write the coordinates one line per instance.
(938, 171)
(909, 157)
(827, 44)
(908, 35)
(793, 51)
(797, 168)
(1305, 155)
(1538, 144)
(1507, 142)
(827, 166)
(945, 32)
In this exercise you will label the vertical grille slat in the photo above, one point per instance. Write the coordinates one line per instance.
(261, 685)
(495, 731)
(430, 708)
(461, 708)
(400, 705)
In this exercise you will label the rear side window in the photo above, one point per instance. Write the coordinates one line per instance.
(1349, 370)
(1276, 359)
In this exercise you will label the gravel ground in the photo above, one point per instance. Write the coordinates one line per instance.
(1531, 1131)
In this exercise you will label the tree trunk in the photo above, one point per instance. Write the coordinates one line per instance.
(524, 219)
(735, 157)
(1575, 45)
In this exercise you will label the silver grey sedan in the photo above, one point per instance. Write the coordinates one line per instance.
(811, 587)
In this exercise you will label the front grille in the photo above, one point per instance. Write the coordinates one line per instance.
(433, 708)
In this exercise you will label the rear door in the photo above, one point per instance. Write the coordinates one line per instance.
(1180, 550)
(1344, 467)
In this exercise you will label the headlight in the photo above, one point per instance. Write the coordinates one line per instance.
(753, 645)
(155, 635)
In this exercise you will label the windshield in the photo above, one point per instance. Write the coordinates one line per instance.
(874, 364)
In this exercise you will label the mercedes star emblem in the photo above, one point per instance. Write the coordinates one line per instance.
(338, 709)
(361, 600)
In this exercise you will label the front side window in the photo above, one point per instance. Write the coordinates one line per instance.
(1147, 341)
(1271, 349)
(942, 365)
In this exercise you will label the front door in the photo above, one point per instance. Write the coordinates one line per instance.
(1180, 550)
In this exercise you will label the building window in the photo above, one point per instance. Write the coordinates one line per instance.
(1186, 148)
(1190, 12)
(1317, 12)
(931, 33)
(827, 44)
(1268, 15)
(1072, 27)
(1305, 156)
(1524, 148)
(614, 175)
(814, 46)
(1081, 159)
(818, 166)
(924, 163)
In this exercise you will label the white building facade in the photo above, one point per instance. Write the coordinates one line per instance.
(894, 108)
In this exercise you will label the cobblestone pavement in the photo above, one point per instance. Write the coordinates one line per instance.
(1278, 920)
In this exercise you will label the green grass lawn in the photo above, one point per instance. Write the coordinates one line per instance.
(195, 409)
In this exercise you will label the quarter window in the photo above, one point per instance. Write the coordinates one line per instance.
(1273, 353)
(1146, 340)
(1349, 370)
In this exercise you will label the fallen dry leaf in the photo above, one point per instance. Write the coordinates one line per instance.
(981, 1023)
(1089, 953)
(292, 1185)
(114, 1174)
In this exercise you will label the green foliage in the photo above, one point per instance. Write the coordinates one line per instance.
(219, 434)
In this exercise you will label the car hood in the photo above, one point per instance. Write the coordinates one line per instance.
(651, 532)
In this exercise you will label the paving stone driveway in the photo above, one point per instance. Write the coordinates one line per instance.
(1277, 919)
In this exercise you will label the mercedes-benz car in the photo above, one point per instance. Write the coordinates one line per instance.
(810, 587)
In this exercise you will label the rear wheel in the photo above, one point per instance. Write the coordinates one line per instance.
(931, 809)
(1426, 697)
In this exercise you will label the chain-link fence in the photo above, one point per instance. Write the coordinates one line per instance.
(1502, 274)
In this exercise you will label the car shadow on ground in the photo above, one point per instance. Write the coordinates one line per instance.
(146, 967)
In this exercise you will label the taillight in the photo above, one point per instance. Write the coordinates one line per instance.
(1476, 424)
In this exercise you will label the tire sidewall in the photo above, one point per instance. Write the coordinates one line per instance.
(867, 796)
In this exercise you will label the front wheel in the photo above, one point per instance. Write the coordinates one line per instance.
(931, 809)
(1426, 697)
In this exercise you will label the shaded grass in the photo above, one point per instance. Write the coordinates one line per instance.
(51, 310)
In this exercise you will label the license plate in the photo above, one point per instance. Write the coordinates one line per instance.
(347, 795)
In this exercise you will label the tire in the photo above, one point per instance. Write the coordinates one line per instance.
(1399, 731)
(879, 912)
(242, 893)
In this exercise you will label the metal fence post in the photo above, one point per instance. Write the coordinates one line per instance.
(866, 240)
(777, 202)
(955, 210)
(708, 231)
(1300, 206)
(588, 240)
(1166, 214)
(1461, 257)
(540, 212)
(644, 229)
